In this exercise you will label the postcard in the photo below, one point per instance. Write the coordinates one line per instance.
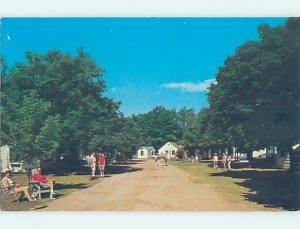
(170, 114)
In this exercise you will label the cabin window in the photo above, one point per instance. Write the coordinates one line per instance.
(173, 152)
(142, 153)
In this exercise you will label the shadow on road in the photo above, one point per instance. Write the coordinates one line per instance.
(133, 162)
(60, 186)
(275, 189)
(119, 169)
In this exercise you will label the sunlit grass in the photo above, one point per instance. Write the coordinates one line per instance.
(274, 188)
(227, 185)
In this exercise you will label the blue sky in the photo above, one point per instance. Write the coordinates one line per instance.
(148, 61)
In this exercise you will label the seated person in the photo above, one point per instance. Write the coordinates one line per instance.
(9, 184)
(43, 181)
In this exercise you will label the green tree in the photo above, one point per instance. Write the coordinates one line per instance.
(255, 102)
(185, 119)
(34, 131)
(158, 126)
(70, 91)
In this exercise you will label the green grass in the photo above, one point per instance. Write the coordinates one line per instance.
(272, 188)
(227, 185)
(64, 186)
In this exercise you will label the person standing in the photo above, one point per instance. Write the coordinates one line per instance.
(196, 158)
(229, 162)
(93, 161)
(101, 164)
(215, 161)
(224, 160)
(192, 160)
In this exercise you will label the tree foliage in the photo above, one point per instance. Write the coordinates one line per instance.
(255, 102)
(53, 104)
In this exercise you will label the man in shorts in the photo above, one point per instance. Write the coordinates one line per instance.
(92, 162)
(101, 164)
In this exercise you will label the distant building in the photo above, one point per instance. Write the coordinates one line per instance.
(145, 152)
(170, 148)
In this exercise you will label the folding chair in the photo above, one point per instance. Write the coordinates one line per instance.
(8, 193)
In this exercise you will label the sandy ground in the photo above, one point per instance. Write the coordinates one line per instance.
(162, 188)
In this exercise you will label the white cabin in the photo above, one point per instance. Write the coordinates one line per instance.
(170, 148)
(145, 152)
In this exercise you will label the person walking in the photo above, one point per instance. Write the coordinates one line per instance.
(101, 164)
(156, 159)
(165, 158)
(215, 161)
(229, 159)
(92, 163)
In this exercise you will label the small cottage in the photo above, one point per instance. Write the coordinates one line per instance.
(145, 152)
(170, 148)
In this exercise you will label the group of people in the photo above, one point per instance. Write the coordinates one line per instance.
(94, 160)
(194, 159)
(10, 185)
(226, 161)
(163, 159)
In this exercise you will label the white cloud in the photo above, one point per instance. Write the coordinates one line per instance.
(189, 86)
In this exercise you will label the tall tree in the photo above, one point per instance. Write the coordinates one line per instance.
(158, 126)
(69, 90)
(255, 102)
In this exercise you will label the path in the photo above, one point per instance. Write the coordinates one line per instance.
(163, 188)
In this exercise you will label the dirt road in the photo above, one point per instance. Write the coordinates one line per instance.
(149, 188)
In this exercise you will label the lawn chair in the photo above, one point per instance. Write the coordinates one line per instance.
(8, 193)
(38, 189)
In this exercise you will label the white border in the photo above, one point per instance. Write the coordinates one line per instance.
(150, 220)
(149, 8)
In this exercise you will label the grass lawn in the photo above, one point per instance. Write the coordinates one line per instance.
(272, 188)
(64, 185)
